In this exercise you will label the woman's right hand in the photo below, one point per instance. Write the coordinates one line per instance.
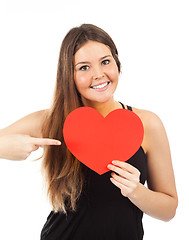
(19, 146)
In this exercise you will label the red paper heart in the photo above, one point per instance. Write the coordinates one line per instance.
(96, 141)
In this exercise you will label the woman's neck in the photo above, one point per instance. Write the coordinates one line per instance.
(104, 108)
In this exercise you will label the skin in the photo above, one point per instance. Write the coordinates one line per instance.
(18, 140)
(94, 64)
(160, 199)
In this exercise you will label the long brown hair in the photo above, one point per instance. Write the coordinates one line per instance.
(63, 172)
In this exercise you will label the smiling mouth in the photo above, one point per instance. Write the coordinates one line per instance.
(100, 85)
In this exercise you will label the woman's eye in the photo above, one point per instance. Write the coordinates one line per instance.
(106, 62)
(84, 68)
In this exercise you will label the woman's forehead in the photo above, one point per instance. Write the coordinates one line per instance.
(92, 50)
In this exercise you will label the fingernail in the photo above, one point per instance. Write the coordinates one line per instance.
(109, 166)
(114, 162)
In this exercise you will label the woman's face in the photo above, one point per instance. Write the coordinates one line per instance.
(95, 72)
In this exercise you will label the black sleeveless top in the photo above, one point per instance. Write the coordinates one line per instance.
(103, 213)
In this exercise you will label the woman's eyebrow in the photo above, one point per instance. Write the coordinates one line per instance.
(82, 63)
(89, 62)
(105, 57)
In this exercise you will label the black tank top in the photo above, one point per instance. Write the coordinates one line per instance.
(103, 213)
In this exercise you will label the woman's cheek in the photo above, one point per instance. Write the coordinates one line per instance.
(113, 73)
(82, 80)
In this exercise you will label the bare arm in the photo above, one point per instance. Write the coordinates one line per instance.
(28, 125)
(24, 136)
(160, 199)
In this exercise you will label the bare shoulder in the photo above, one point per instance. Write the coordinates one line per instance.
(159, 163)
(31, 124)
(149, 119)
(153, 126)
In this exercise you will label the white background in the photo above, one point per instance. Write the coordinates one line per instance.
(152, 38)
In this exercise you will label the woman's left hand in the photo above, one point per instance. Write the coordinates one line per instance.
(127, 177)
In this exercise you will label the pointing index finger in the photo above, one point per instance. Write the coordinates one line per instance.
(45, 141)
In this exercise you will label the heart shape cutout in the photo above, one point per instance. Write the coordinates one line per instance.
(96, 141)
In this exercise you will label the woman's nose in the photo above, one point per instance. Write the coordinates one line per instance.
(98, 77)
(98, 74)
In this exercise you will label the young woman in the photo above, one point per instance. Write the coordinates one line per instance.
(87, 205)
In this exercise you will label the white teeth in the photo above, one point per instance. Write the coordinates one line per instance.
(101, 86)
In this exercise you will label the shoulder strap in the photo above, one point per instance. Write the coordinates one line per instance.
(128, 107)
(122, 105)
